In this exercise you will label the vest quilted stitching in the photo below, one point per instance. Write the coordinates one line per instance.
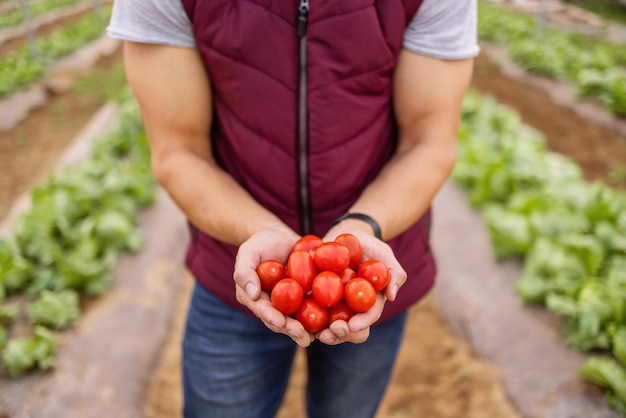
(250, 50)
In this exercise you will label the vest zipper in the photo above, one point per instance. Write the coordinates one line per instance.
(303, 136)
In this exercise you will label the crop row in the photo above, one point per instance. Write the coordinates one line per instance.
(21, 68)
(16, 16)
(63, 248)
(571, 233)
(594, 67)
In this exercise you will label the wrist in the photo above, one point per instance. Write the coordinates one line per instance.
(263, 225)
(362, 219)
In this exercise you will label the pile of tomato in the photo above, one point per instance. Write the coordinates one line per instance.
(323, 281)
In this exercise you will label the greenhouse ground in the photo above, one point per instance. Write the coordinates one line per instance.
(439, 373)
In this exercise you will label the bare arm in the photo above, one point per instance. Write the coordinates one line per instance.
(174, 96)
(427, 99)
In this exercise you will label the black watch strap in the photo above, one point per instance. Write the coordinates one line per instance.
(361, 217)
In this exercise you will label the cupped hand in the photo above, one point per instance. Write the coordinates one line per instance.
(357, 329)
(272, 243)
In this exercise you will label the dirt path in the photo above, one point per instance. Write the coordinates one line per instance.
(596, 149)
(12, 38)
(29, 151)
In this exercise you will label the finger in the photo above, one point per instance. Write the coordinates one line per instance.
(245, 276)
(298, 334)
(262, 309)
(357, 337)
(397, 275)
(397, 278)
(366, 319)
(274, 319)
(336, 331)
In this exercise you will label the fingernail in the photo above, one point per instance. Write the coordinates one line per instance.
(394, 291)
(340, 333)
(251, 289)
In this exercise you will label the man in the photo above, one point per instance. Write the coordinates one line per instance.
(269, 120)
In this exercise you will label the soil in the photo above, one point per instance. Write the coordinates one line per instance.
(437, 374)
(42, 31)
(30, 150)
(595, 148)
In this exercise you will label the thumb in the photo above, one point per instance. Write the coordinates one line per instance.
(246, 278)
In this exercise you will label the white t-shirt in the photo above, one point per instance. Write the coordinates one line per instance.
(443, 29)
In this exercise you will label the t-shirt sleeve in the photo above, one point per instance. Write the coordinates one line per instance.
(445, 29)
(151, 21)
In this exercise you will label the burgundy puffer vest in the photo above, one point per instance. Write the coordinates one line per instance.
(303, 117)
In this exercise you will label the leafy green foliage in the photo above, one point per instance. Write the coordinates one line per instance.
(608, 9)
(8, 313)
(570, 233)
(593, 66)
(66, 244)
(3, 336)
(609, 374)
(15, 16)
(23, 354)
(19, 69)
(56, 310)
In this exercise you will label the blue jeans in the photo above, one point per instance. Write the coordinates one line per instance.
(233, 366)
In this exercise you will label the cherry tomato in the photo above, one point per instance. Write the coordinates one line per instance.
(347, 274)
(331, 256)
(340, 311)
(327, 288)
(270, 272)
(287, 296)
(376, 272)
(359, 294)
(353, 245)
(312, 316)
(300, 267)
(307, 242)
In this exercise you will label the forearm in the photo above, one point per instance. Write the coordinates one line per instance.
(211, 199)
(405, 188)
(428, 96)
(175, 100)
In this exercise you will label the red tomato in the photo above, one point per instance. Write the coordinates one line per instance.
(287, 296)
(376, 272)
(331, 256)
(308, 242)
(300, 267)
(327, 288)
(347, 274)
(353, 245)
(340, 311)
(312, 316)
(359, 294)
(270, 272)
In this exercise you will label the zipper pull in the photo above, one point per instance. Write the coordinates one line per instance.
(303, 17)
